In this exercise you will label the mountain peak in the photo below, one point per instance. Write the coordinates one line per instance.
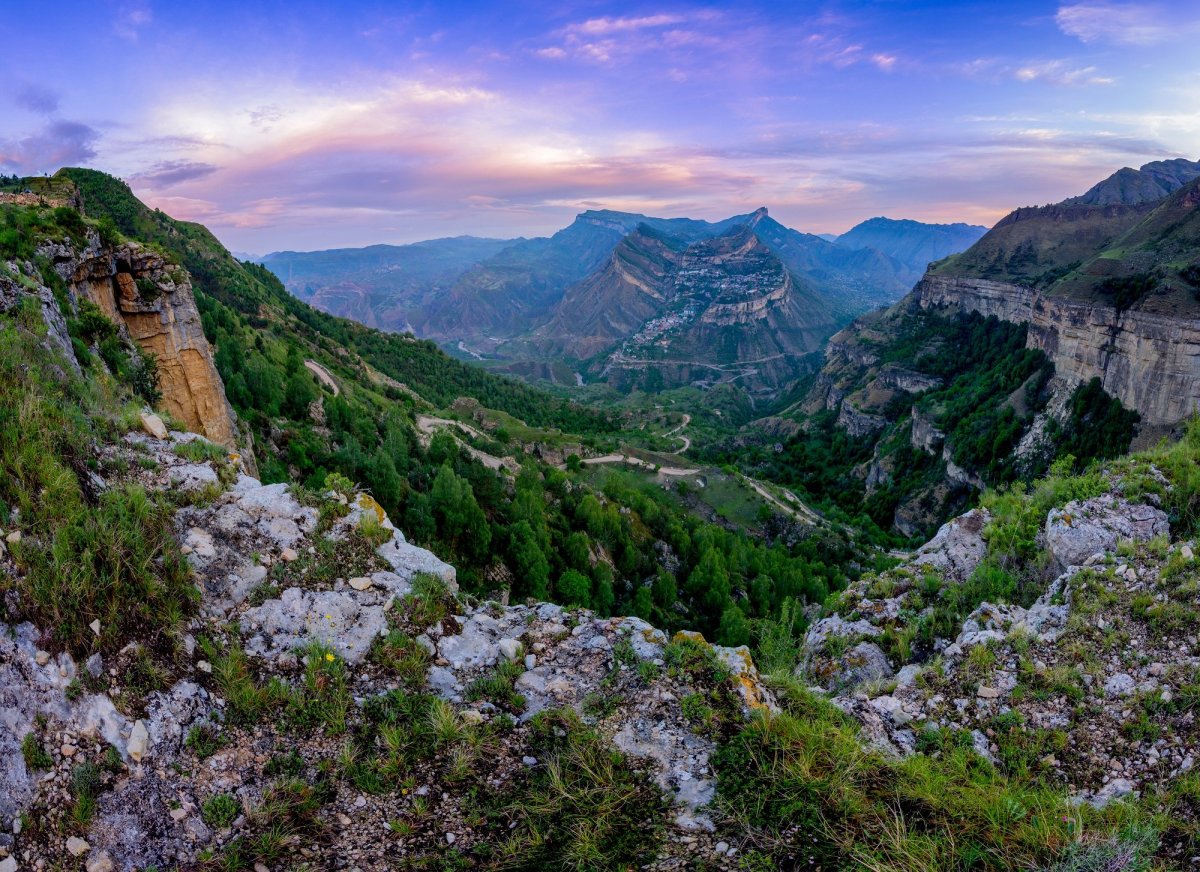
(1149, 184)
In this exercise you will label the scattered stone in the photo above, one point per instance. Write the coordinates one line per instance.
(94, 626)
(289, 555)
(100, 862)
(139, 741)
(154, 426)
(1121, 684)
(987, 692)
(360, 583)
(42, 658)
(77, 847)
(510, 648)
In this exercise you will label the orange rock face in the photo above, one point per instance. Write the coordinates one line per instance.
(165, 323)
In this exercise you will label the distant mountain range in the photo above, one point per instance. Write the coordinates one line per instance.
(619, 292)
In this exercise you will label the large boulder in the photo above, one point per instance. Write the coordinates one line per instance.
(1081, 529)
(958, 546)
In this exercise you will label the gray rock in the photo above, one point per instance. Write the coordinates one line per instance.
(27, 690)
(862, 663)
(1081, 528)
(193, 476)
(958, 546)
(408, 560)
(340, 619)
(1121, 684)
(170, 715)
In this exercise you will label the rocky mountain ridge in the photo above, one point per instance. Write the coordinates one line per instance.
(493, 302)
(721, 308)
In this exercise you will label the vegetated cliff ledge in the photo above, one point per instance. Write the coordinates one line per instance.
(1149, 361)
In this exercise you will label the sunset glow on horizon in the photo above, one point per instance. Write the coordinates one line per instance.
(309, 125)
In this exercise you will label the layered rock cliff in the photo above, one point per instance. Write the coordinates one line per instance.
(1149, 361)
(138, 288)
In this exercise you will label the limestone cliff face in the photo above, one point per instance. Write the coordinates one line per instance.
(153, 299)
(1149, 361)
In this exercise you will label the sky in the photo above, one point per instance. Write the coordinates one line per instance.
(302, 125)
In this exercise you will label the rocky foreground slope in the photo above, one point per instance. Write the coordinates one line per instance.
(1085, 680)
(334, 701)
(316, 622)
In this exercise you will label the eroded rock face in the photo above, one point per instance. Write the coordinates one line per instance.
(1144, 359)
(153, 299)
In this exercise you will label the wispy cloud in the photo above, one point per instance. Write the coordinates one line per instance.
(1136, 24)
(1060, 73)
(603, 26)
(167, 173)
(130, 18)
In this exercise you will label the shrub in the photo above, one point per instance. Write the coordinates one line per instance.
(220, 811)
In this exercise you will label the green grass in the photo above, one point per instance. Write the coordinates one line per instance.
(583, 807)
(322, 698)
(110, 556)
(36, 756)
(220, 811)
(400, 655)
(200, 450)
(497, 686)
(807, 791)
(246, 702)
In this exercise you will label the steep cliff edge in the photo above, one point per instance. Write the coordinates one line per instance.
(1149, 361)
(69, 263)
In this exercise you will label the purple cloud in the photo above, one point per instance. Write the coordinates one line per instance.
(57, 144)
(166, 173)
(36, 98)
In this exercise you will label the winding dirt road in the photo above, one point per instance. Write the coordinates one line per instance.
(323, 376)
(677, 433)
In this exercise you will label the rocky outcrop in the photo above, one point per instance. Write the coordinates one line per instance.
(897, 378)
(138, 288)
(1011, 679)
(958, 546)
(1147, 360)
(277, 576)
(1081, 530)
(925, 434)
(857, 422)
